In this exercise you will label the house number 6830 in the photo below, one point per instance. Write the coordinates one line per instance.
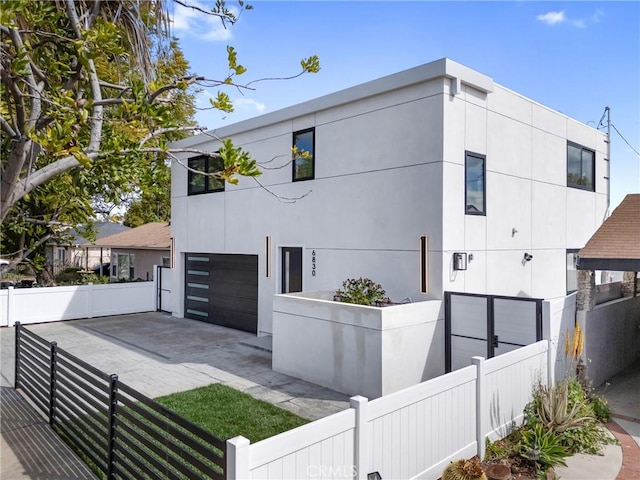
(313, 263)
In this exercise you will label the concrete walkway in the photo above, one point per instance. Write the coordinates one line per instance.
(618, 462)
(29, 448)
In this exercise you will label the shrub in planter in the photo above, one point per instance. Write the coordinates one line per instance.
(362, 291)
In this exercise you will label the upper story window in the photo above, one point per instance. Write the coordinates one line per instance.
(199, 183)
(304, 158)
(581, 167)
(475, 195)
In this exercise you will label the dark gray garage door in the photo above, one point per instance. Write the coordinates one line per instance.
(222, 289)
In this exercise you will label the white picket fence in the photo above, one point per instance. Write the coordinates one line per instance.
(413, 433)
(52, 304)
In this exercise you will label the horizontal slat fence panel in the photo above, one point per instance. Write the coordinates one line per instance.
(182, 449)
(120, 432)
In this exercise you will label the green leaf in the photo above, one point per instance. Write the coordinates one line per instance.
(311, 64)
(222, 102)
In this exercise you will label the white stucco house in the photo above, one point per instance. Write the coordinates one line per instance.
(429, 180)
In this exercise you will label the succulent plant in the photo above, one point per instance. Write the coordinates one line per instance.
(464, 470)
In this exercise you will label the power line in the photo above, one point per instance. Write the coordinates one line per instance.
(625, 140)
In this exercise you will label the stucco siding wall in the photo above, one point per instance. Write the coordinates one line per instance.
(526, 172)
(612, 336)
(389, 168)
(377, 189)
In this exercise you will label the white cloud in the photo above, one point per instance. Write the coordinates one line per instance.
(188, 21)
(245, 103)
(551, 18)
(595, 18)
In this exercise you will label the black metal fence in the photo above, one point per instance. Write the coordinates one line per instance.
(122, 433)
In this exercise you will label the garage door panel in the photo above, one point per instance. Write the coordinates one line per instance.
(222, 289)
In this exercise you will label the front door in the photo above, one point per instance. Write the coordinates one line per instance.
(291, 269)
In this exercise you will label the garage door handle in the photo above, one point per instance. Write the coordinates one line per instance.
(495, 341)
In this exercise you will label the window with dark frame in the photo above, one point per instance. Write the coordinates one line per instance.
(572, 270)
(199, 183)
(304, 158)
(581, 167)
(474, 193)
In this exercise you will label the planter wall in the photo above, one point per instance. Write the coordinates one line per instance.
(354, 349)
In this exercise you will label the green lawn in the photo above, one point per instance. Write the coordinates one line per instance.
(227, 412)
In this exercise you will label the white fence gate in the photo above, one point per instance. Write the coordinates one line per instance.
(53, 304)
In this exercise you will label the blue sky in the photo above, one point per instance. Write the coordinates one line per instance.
(574, 57)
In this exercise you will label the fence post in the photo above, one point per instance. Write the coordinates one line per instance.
(53, 361)
(360, 404)
(481, 408)
(90, 299)
(157, 286)
(551, 363)
(238, 458)
(10, 307)
(111, 446)
(16, 370)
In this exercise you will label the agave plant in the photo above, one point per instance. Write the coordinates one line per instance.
(554, 409)
(542, 447)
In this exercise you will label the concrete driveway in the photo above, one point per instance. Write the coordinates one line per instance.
(157, 354)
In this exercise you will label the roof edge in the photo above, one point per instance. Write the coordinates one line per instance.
(444, 67)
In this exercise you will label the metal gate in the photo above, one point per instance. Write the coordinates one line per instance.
(163, 302)
(488, 325)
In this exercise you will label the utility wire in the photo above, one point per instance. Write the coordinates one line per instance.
(625, 140)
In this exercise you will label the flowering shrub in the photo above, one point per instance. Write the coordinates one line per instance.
(361, 291)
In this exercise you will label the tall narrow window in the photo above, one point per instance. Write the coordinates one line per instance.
(199, 183)
(581, 164)
(572, 271)
(303, 155)
(475, 195)
(291, 269)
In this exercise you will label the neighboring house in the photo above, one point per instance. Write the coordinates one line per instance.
(429, 180)
(610, 314)
(77, 251)
(136, 251)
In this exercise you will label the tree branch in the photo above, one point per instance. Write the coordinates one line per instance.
(162, 131)
(7, 127)
(16, 261)
(95, 137)
(173, 86)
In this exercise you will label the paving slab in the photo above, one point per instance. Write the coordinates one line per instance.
(158, 355)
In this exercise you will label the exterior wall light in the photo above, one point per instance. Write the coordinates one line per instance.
(374, 476)
(460, 261)
(528, 257)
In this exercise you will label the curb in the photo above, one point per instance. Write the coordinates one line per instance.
(630, 451)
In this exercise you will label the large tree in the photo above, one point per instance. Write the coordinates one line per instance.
(82, 105)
